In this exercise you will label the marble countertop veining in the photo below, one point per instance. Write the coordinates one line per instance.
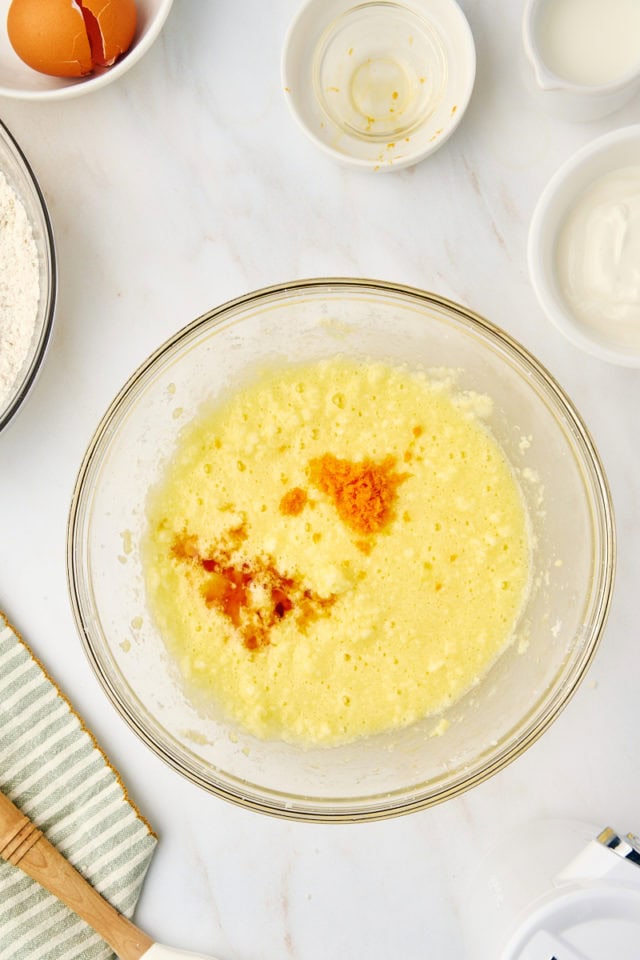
(186, 183)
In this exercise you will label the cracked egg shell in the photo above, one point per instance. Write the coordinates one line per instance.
(68, 38)
(111, 26)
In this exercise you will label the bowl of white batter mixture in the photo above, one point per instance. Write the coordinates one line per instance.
(27, 277)
(340, 550)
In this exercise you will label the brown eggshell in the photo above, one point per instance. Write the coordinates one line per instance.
(111, 27)
(50, 36)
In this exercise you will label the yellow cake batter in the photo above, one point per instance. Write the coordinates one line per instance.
(337, 550)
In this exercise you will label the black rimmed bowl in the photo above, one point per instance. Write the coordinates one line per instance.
(21, 179)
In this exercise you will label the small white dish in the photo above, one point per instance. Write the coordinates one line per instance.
(379, 85)
(22, 82)
(566, 98)
(615, 150)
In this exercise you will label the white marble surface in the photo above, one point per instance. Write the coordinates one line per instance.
(182, 185)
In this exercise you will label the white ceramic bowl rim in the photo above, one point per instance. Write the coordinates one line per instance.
(550, 198)
(411, 157)
(75, 87)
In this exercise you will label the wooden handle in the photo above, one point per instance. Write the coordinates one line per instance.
(23, 845)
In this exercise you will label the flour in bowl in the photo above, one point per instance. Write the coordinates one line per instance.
(19, 290)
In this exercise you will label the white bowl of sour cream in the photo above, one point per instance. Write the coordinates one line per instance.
(584, 248)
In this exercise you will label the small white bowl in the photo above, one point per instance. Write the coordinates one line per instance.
(22, 82)
(620, 148)
(379, 85)
(560, 97)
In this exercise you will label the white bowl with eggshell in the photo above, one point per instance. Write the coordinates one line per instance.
(602, 316)
(18, 80)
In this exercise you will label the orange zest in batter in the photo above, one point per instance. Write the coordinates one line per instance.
(364, 493)
(293, 502)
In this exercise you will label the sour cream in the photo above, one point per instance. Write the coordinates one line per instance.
(598, 256)
(590, 42)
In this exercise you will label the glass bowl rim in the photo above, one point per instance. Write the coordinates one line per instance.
(49, 295)
(406, 799)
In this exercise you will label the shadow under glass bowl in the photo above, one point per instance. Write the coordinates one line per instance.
(562, 483)
(20, 177)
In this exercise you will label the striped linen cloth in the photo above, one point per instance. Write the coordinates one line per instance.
(51, 767)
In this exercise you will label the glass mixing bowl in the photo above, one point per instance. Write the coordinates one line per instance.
(21, 178)
(387, 774)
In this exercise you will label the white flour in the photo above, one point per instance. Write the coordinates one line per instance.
(19, 289)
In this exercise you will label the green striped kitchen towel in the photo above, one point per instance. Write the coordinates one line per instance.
(52, 768)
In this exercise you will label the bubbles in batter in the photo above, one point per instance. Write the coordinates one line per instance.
(337, 550)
